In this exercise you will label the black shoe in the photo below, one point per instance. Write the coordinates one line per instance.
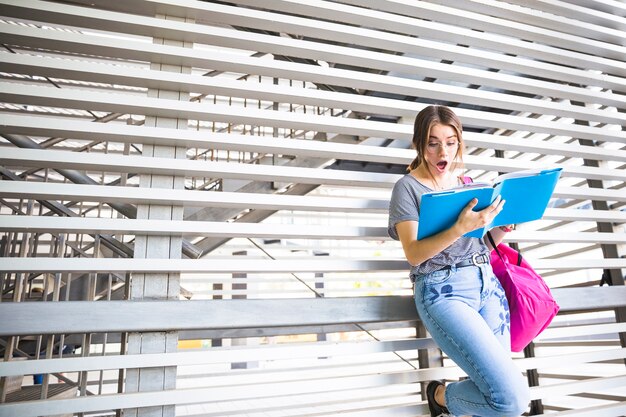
(436, 410)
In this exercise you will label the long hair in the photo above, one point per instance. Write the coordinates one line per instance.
(425, 119)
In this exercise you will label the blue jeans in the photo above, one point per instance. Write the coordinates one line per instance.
(466, 313)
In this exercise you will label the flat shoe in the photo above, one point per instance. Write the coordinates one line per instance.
(436, 410)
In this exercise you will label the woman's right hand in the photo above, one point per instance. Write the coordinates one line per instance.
(470, 220)
(418, 251)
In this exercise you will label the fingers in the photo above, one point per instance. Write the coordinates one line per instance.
(471, 204)
(499, 204)
(470, 219)
(495, 207)
(491, 211)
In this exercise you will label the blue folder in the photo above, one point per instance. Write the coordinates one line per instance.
(527, 194)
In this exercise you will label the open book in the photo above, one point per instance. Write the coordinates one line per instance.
(527, 194)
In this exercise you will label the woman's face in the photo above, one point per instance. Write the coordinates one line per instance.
(441, 149)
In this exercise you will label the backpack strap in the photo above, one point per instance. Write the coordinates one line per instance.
(493, 245)
(495, 248)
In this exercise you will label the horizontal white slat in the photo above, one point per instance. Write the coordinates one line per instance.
(78, 129)
(213, 265)
(534, 16)
(589, 11)
(315, 28)
(317, 350)
(164, 166)
(332, 53)
(542, 147)
(75, 98)
(573, 331)
(230, 354)
(199, 168)
(269, 353)
(497, 25)
(607, 410)
(112, 316)
(228, 62)
(383, 401)
(45, 224)
(607, 6)
(203, 395)
(459, 26)
(191, 396)
(585, 215)
(581, 193)
(587, 385)
(571, 237)
(546, 362)
(192, 198)
(212, 356)
(224, 199)
(573, 264)
(132, 104)
(366, 17)
(101, 73)
(497, 164)
(291, 388)
(118, 75)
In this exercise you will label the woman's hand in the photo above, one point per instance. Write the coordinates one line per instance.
(418, 251)
(470, 220)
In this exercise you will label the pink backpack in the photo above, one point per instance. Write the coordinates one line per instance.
(531, 305)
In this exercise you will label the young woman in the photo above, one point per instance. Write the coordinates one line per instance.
(458, 298)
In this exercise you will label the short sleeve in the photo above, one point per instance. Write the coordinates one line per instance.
(403, 206)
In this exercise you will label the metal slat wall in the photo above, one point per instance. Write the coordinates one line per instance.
(193, 199)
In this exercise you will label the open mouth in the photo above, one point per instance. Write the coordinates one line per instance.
(442, 165)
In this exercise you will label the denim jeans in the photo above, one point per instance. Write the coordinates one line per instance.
(466, 313)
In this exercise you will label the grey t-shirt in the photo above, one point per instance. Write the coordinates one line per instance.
(404, 205)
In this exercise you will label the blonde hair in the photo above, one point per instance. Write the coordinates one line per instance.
(424, 121)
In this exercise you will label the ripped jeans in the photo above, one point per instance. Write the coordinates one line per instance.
(466, 312)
